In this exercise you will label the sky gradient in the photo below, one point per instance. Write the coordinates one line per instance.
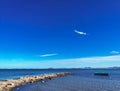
(59, 33)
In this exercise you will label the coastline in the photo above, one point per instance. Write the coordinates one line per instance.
(9, 85)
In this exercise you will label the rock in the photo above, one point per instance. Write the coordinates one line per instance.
(8, 85)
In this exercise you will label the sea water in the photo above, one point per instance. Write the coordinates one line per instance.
(82, 80)
(16, 73)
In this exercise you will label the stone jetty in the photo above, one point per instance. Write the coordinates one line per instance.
(9, 85)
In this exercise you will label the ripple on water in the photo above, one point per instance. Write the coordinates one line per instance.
(73, 83)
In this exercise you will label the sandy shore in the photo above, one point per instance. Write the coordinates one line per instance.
(9, 85)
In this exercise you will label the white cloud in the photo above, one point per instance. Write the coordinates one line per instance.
(95, 62)
(47, 55)
(102, 61)
(115, 52)
(79, 32)
(99, 59)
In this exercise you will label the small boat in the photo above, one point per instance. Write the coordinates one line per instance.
(101, 74)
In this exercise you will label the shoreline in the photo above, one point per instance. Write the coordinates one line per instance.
(9, 85)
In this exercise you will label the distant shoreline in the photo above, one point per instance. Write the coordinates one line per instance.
(55, 68)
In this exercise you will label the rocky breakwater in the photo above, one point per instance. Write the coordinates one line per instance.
(9, 85)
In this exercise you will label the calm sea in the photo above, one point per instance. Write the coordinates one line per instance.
(82, 80)
(16, 73)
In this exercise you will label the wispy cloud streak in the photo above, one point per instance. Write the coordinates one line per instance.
(48, 55)
(98, 62)
(115, 52)
(79, 32)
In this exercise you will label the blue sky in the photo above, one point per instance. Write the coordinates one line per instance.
(59, 33)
